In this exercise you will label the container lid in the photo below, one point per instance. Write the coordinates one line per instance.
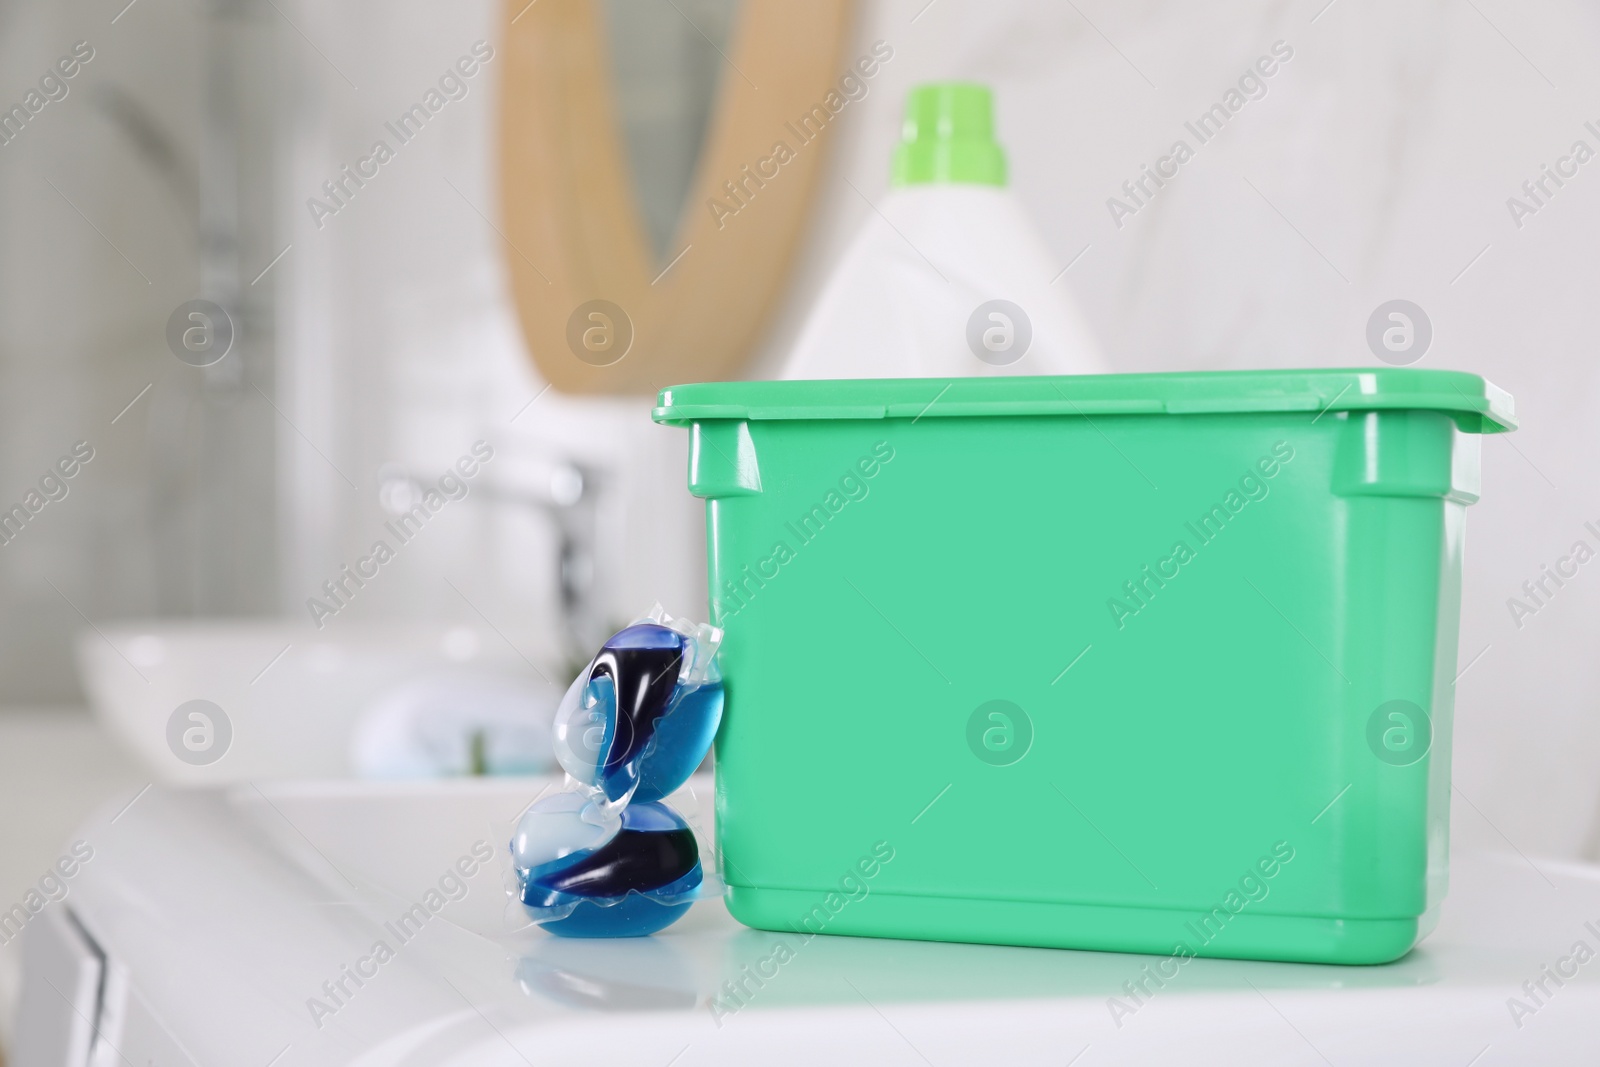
(1476, 405)
(948, 136)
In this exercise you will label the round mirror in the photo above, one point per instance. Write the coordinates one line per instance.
(653, 184)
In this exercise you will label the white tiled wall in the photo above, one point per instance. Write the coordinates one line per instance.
(404, 348)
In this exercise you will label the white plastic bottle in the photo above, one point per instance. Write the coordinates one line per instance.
(948, 278)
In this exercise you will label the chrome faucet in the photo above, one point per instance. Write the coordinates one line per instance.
(566, 493)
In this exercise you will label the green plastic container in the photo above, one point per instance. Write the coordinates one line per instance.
(1152, 663)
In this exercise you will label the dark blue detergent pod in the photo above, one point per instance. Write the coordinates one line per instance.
(640, 717)
(638, 879)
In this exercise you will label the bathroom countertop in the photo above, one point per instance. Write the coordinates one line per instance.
(56, 766)
(324, 872)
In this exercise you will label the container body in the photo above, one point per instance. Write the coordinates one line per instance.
(1175, 683)
(883, 312)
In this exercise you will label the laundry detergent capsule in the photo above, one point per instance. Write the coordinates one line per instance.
(639, 719)
(639, 879)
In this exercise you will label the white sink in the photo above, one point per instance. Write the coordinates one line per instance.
(290, 694)
(221, 913)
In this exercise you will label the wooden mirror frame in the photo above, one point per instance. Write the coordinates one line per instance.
(573, 223)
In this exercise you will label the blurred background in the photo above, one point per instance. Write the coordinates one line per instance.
(376, 348)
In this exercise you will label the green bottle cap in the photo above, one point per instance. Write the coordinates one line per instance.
(948, 136)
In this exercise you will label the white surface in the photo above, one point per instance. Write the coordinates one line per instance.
(231, 910)
(56, 767)
(60, 1003)
(898, 302)
(292, 694)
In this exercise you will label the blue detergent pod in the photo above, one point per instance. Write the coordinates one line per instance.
(640, 717)
(639, 879)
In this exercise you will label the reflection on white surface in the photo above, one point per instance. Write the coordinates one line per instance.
(624, 975)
